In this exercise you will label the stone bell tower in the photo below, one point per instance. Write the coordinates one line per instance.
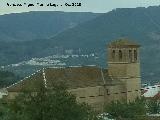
(124, 65)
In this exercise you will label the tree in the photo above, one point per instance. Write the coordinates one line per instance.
(50, 104)
(5, 112)
(153, 106)
(130, 110)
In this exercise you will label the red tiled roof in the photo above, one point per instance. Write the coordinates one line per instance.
(30, 84)
(73, 77)
(157, 96)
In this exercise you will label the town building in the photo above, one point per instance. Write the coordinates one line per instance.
(151, 91)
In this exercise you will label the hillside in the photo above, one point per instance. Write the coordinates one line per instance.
(139, 24)
(39, 24)
(7, 78)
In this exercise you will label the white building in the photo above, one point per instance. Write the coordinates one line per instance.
(3, 92)
(151, 91)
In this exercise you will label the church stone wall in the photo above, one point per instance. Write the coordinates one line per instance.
(93, 96)
(115, 93)
(99, 96)
(124, 69)
(133, 88)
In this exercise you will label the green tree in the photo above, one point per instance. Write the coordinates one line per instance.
(153, 106)
(5, 112)
(131, 110)
(50, 104)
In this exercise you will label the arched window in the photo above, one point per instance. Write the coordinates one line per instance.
(135, 55)
(113, 54)
(120, 54)
(130, 55)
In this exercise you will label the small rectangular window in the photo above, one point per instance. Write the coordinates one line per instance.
(82, 97)
(92, 96)
(120, 55)
(130, 55)
(113, 54)
(135, 55)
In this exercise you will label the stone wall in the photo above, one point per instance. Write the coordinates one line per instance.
(124, 69)
(99, 96)
(93, 96)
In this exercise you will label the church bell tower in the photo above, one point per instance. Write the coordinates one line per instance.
(124, 65)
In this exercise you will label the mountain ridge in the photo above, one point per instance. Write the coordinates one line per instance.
(139, 24)
(28, 25)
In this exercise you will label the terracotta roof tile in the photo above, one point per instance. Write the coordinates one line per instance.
(30, 84)
(157, 96)
(73, 77)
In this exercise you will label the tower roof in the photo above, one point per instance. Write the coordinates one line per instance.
(123, 43)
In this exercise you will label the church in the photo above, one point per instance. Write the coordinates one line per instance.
(121, 81)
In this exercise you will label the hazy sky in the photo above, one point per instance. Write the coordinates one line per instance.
(87, 5)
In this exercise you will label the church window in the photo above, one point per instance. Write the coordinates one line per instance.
(92, 96)
(130, 55)
(82, 97)
(123, 92)
(113, 54)
(135, 55)
(120, 55)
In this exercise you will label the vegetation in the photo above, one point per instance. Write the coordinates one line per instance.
(46, 104)
(126, 110)
(135, 110)
(153, 106)
(58, 104)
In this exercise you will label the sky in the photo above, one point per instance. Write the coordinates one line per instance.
(97, 6)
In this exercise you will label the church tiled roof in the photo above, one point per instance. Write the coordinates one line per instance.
(30, 83)
(73, 77)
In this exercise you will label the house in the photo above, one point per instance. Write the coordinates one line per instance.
(151, 92)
